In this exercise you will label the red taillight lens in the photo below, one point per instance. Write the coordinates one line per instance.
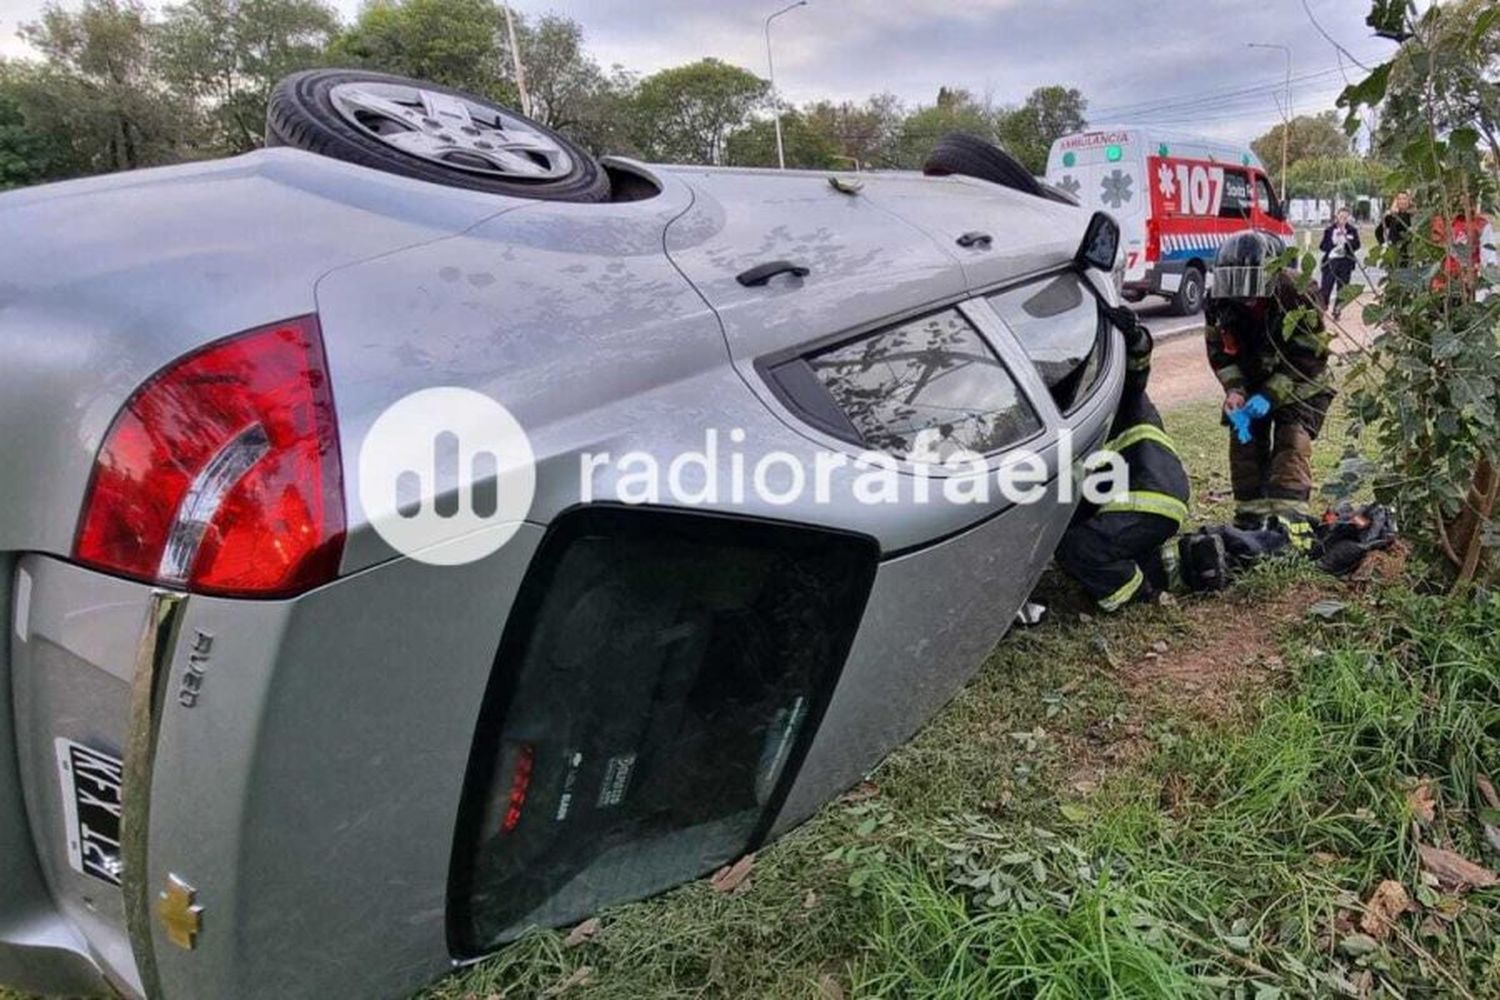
(1153, 240)
(520, 784)
(221, 474)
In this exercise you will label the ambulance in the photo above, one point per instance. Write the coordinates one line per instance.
(1176, 197)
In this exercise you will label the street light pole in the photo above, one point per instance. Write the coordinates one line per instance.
(515, 59)
(1286, 115)
(771, 71)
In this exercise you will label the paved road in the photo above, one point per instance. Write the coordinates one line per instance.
(1162, 322)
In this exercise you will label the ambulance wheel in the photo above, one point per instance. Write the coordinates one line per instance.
(1133, 295)
(1189, 298)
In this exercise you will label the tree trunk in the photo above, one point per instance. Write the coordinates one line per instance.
(1467, 529)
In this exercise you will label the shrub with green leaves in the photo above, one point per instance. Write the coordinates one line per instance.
(1427, 394)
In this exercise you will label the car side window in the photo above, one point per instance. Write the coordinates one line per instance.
(1059, 325)
(935, 374)
(1263, 196)
(1236, 202)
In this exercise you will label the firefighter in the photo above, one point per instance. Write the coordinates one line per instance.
(1125, 551)
(1274, 376)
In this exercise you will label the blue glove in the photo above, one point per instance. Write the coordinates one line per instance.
(1255, 408)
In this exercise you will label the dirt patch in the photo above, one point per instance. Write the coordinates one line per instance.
(1209, 671)
(1228, 651)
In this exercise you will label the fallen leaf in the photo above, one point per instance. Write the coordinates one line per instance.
(862, 791)
(810, 900)
(1455, 870)
(1072, 812)
(577, 977)
(1356, 945)
(1159, 646)
(1327, 609)
(829, 988)
(1419, 799)
(1487, 789)
(1386, 903)
(732, 877)
(583, 932)
(1431, 927)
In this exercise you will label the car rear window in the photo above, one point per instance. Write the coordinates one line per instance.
(1062, 330)
(930, 374)
(659, 682)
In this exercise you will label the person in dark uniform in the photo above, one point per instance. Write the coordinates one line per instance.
(1124, 551)
(1394, 230)
(1274, 380)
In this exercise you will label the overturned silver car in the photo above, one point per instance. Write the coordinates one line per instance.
(249, 747)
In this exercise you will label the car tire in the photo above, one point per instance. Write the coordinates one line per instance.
(431, 133)
(1188, 300)
(1133, 295)
(971, 156)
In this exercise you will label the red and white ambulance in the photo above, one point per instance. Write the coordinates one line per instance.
(1176, 198)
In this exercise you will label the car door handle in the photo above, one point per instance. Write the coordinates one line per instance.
(762, 273)
(975, 239)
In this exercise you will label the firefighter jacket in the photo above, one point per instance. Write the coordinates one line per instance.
(1251, 351)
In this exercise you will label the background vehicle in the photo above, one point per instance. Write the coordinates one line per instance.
(256, 751)
(1176, 198)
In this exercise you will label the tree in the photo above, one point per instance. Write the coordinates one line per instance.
(567, 89)
(686, 113)
(228, 54)
(955, 111)
(1336, 177)
(1047, 114)
(806, 146)
(1428, 393)
(864, 132)
(100, 90)
(1309, 136)
(451, 42)
(29, 152)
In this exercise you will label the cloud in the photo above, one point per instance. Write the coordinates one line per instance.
(1156, 58)
(1179, 64)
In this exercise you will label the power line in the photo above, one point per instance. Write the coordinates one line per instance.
(1199, 97)
(1308, 11)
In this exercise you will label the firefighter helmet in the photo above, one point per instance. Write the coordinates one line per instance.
(1245, 267)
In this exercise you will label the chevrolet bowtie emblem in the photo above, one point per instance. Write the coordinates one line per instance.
(178, 913)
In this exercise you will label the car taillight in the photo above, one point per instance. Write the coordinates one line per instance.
(520, 783)
(221, 473)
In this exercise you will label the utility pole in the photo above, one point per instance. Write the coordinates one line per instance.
(515, 59)
(771, 72)
(1286, 115)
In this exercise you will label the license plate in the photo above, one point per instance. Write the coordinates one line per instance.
(91, 809)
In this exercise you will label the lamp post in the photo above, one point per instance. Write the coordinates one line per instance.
(1286, 115)
(771, 71)
(515, 59)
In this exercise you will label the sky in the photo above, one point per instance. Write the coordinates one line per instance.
(1179, 64)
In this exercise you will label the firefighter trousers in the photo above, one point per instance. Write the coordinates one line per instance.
(1106, 554)
(1272, 473)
